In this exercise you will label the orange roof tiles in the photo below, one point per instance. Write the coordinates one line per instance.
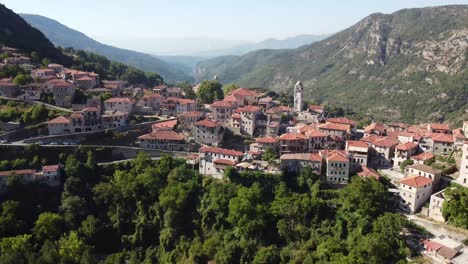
(437, 126)
(423, 156)
(438, 137)
(416, 181)
(191, 114)
(292, 136)
(249, 109)
(163, 135)
(302, 156)
(243, 92)
(206, 123)
(16, 172)
(337, 156)
(357, 144)
(221, 151)
(169, 124)
(224, 162)
(369, 173)
(385, 142)
(407, 146)
(59, 120)
(50, 168)
(341, 120)
(221, 104)
(335, 126)
(119, 100)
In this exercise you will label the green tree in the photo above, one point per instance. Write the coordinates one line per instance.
(210, 91)
(72, 247)
(269, 155)
(405, 164)
(229, 88)
(188, 90)
(22, 79)
(48, 226)
(267, 255)
(455, 207)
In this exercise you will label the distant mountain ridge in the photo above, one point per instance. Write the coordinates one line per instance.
(271, 43)
(64, 36)
(409, 65)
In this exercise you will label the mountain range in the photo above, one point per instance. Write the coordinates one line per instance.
(64, 36)
(410, 65)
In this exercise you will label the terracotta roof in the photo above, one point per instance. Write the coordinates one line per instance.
(416, 181)
(185, 101)
(374, 126)
(191, 114)
(406, 134)
(84, 78)
(231, 98)
(337, 156)
(432, 245)
(236, 116)
(335, 126)
(50, 168)
(221, 104)
(315, 134)
(266, 140)
(357, 144)
(224, 162)
(228, 152)
(302, 156)
(279, 109)
(243, 92)
(437, 126)
(16, 172)
(163, 135)
(170, 124)
(292, 136)
(341, 120)
(458, 133)
(407, 146)
(76, 115)
(439, 137)
(59, 120)
(306, 128)
(265, 99)
(369, 173)
(250, 109)
(119, 100)
(90, 109)
(423, 156)
(385, 142)
(206, 123)
(152, 95)
(424, 168)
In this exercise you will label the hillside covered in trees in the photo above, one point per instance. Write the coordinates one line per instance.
(161, 211)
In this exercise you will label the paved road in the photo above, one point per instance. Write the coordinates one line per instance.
(125, 160)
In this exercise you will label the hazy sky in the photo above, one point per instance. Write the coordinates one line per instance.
(151, 25)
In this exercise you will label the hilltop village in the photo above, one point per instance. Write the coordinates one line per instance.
(246, 130)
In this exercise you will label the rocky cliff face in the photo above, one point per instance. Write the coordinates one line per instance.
(407, 58)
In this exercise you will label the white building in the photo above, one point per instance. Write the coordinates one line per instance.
(294, 162)
(208, 132)
(213, 161)
(119, 104)
(337, 162)
(435, 206)
(425, 171)
(463, 178)
(414, 192)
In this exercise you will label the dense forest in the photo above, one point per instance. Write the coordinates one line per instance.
(146, 211)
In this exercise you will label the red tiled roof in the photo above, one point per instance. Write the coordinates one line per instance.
(431, 245)
(406, 146)
(292, 136)
(416, 181)
(76, 115)
(243, 92)
(221, 104)
(119, 100)
(90, 109)
(357, 144)
(170, 124)
(315, 134)
(438, 137)
(185, 101)
(224, 162)
(231, 98)
(279, 109)
(50, 168)
(369, 173)
(16, 172)
(266, 140)
(335, 126)
(337, 156)
(437, 126)
(302, 156)
(374, 126)
(250, 109)
(163, 135)
(59, 120)
(206, 123)
(228, 152)
(341, 120)
(316, 107)
(423, 156)
(385, 142)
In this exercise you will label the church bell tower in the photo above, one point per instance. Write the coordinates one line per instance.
(298, 93)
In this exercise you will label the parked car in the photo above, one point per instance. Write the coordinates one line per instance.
(66, 143)
(4, 141)
(39, 143)
(53, 143)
